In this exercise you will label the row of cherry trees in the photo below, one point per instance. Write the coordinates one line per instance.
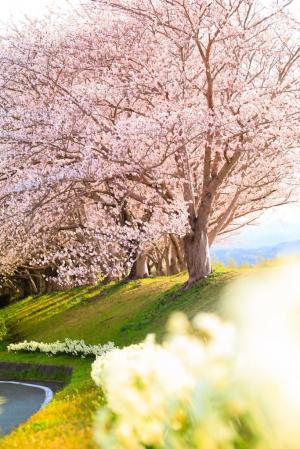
(137, 131)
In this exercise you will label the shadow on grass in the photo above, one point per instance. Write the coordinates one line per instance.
(203, 296)
(42, 308)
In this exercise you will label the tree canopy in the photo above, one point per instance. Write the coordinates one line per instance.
(138, 119)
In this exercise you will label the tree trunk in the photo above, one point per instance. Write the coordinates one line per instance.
(171, 260)
(197, 254)
(139, 268)
(40, 282)
(29, 287)
(179, 249)
(32, 285)
(159, 268)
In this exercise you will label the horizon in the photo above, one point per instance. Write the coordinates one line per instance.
(277, 225)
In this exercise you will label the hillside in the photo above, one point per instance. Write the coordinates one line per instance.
(255, 255)
(123, 313)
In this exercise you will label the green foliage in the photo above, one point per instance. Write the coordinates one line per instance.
(3, 328)
(231, 263)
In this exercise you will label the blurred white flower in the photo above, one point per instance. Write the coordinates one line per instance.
(211, 385)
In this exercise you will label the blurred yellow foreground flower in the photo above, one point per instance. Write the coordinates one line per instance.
(211, 384)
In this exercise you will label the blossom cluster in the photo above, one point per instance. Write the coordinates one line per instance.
(67, 346)
(178, 394)
(211, 383)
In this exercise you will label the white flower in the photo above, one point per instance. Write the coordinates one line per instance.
(68, 346)
(151, 387)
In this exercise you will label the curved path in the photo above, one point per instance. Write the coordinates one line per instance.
(21, 401)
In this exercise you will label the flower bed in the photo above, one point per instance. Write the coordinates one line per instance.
(67, 346)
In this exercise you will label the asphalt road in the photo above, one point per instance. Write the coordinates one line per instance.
(20, 402)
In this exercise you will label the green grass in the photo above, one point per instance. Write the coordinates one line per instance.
(122, 312)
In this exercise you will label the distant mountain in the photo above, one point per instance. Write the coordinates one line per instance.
(255, 255)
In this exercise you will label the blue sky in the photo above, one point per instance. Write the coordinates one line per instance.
(278, 225)
(281, 224)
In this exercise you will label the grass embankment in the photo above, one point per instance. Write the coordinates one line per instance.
(124, 313)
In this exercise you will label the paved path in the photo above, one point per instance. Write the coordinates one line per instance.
(21, 401)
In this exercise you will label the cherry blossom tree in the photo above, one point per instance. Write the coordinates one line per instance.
(207, 100)
(136, 119)
(62, 199)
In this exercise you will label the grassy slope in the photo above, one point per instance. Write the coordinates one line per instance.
(123, 313)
